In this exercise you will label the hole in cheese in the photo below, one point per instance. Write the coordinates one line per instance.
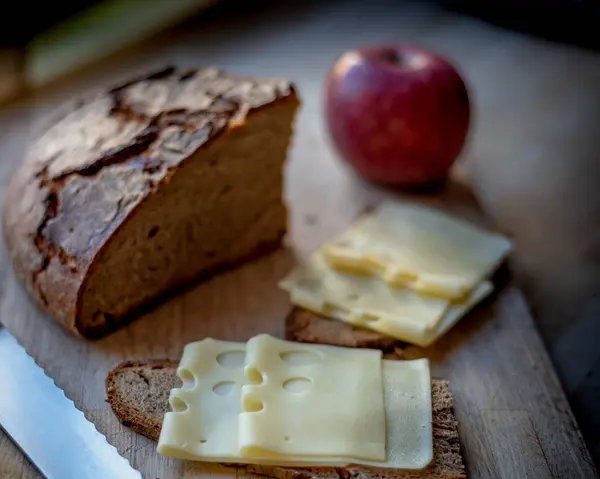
(178, 404)
(254, 376)
(353, 296)
(299, 358)
(370, 317)
(296, 385)
(188, 378)
(231, 359)
(360, 315)
(251, 404)
(402, 276)
(223, 388)
(202, 441)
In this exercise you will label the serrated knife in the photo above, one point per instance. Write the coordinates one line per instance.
(46, 425)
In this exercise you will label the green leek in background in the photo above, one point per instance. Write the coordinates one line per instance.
(97, 32)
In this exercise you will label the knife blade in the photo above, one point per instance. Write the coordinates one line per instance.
(47, 426)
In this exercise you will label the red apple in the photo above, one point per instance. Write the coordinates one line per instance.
(399, 115)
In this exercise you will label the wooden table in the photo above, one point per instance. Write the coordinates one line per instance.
(515, 419)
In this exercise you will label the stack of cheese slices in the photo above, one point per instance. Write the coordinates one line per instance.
(403, 270)
(276, 402)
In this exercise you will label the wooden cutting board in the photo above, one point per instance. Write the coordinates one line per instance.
(515, 421)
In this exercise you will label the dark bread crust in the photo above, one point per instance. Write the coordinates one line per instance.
(85, 177)
(305, 327)
(138, 393)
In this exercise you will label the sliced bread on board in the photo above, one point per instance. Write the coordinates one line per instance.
(147, 187)
(138, 392)
(304, 326)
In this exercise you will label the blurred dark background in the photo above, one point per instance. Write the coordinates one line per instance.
(28, 20)
(43, 42)
(571, 21)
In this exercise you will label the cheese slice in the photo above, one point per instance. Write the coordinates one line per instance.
(455, 313)
(370, 303)
(418, 248)
(318, 287)
(400, 331)
(306, 400)
(407, 395)
(204, 422)
(211, 420)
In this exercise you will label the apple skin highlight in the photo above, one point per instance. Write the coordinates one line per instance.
(398, 115)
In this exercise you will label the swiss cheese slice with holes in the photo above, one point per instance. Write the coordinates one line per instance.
(210, 407)
(420, 248)
(303, 400)
(204, 421)
(368, 302)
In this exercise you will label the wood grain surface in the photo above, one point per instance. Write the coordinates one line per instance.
(515, 420)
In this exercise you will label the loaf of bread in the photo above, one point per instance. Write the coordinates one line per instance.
(148, 187)
(138, 392)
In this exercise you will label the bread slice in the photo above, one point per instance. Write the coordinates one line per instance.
(306, 327)
(147, 187)
(138, 393)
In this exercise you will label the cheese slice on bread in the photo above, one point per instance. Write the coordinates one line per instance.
(403, 270)
(134, 389)
(138, 392)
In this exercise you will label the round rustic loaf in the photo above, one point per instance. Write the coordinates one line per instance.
(148, 187)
